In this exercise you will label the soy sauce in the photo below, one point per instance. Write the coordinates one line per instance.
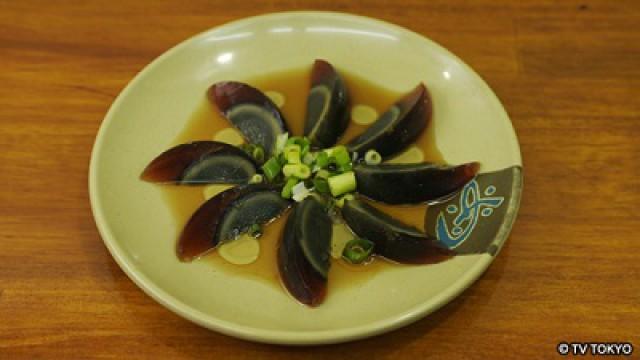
(294, 86)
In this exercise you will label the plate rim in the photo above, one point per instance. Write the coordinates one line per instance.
(288, 337)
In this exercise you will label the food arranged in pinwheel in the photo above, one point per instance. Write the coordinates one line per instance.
(312, 178)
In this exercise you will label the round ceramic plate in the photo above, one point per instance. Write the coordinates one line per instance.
(138, 228)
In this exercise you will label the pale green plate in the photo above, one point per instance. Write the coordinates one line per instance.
(139, 230)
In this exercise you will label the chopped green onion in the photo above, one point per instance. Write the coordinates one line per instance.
(342, 199)
(332, 167)
(298, 140)
(322, 160)
(329, 151)
(293, 140)
(271, 168)
(305, 145)
(301, 141)
(258, 154)
(281, 141)
(324, 174)
(254, 151)
(342, 184)
(308, 183)
(372, 157)
(341, 155)
(308, 158)
(292, 153)
(300, 192)
(358, 250)
(256, 179)
(346, 167)
(300, 171)
(255, 231)
(321, 185)
(305, 148)
(288, 187)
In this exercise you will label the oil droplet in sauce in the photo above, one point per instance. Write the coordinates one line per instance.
(276, 97)
(213, 190)
(265, 267)
(293, 86)
(363, 114)
(229, 136)
(242, 251)
(412, 155)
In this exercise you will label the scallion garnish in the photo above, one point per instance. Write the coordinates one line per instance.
(271, 168)
(303, 142)
(324, 174)
(256, 179)
(322, 160)
(288, 187)
(342, 184)
(328, 171)
(254, 151)
(341, 155)
(340, 201)
(258, 154)
(372, 157)
(309, 158)
(308, 183)
(281, 141)
(321, 185)
(346, 167)
(300, 192)
(301, 171)
(358, 250)
(292, 154)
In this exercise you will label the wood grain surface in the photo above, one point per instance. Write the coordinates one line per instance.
(568, 73)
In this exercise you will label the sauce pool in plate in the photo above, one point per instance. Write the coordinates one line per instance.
(289, 91)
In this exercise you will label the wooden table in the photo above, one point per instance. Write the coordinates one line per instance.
(567, 72)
